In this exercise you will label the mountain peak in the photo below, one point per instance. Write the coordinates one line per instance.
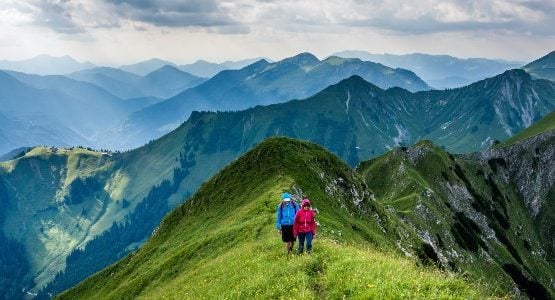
(166, 68)
(302, 59)
(356, 82)
(336, 60)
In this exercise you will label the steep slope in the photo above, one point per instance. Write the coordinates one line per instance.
(203, 248)
(260, 83)
(439, 71)
(46, 65)
(58, 200)
(543, 67)
(489, 214)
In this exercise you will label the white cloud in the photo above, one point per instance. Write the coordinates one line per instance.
(229, 29)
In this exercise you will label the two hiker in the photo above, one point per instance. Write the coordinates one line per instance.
(294, 221)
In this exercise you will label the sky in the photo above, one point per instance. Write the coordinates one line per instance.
(115, 32)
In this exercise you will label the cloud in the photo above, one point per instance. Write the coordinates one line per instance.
(528, 17)
(81, 16)
(192, 13)
(532, 17)
(54, 14)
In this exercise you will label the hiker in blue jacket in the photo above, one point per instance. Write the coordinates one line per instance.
(286, 211)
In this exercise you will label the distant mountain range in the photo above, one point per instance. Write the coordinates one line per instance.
(165, 82)
(200, 68)
(53, 110)
(439, 71)
(46, 65)
(260, 83)
(57, 110)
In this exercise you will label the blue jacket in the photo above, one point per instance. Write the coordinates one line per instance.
(286, 215)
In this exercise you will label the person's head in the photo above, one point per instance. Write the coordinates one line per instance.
(285, 197)
(305, 204)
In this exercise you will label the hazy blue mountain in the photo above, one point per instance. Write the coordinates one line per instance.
(164, 82)
(439, 71)
(36, 130)
(260, 83)
(136, 104)
(54, 110)
(46, 65)
(202, 68)
(543, 67)
(235, 65)
(120, 83)
(168, 81)
(147, 66)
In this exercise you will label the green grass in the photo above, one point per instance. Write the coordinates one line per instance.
(222, 242)
(547, 123)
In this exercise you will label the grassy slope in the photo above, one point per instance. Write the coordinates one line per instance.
(545, 124)
(42, 179)
(222, 243)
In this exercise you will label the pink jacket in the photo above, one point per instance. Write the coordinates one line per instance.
(304, 221)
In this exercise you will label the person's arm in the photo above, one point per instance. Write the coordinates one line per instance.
(278, 219)
(296, 225)
(313, 225)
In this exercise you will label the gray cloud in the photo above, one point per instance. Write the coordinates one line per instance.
(522, 17)
(529, 17)
(55, 14)
(191, 13)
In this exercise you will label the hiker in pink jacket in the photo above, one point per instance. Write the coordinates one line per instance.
(305, 226)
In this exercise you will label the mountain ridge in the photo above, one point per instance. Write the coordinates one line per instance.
(46, 65)
(244, 216)
(163, 82)
(439, 71)
(260, 83)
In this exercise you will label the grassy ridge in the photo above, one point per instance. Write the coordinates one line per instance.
(222, 243)
(547, 123)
